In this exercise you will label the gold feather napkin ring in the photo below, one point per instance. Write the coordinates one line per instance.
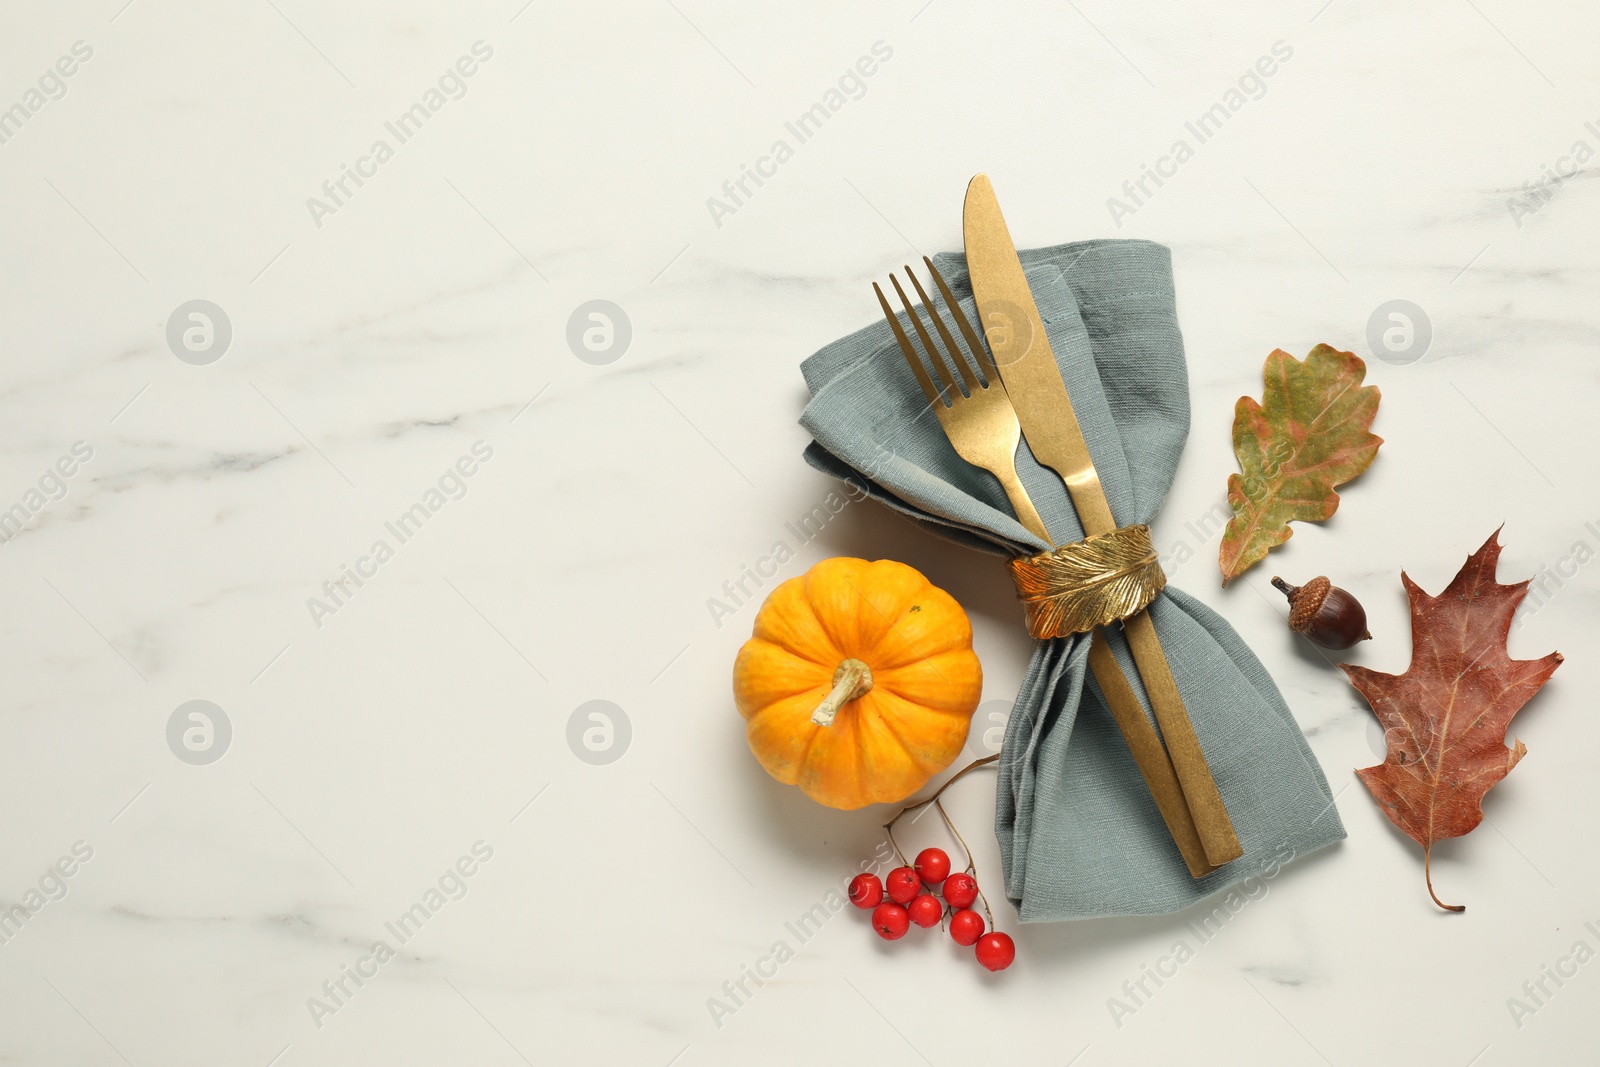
(1088, 583)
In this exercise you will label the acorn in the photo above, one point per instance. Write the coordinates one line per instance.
(1326, 614)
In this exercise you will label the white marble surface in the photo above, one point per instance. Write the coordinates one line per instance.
(371, 352)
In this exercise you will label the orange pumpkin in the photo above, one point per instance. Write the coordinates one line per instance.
(859, 683)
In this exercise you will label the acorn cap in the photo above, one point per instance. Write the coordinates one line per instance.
(1305, 601)
(1325, 614)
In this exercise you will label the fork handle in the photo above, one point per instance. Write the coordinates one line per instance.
(1022, 504)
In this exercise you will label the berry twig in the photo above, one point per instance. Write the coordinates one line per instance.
(909, 808)
(972, 866)
(906, 896)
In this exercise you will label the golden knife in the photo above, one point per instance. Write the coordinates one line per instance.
(1033, 380)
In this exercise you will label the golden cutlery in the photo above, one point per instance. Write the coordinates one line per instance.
(981, 424)
(1029, 370)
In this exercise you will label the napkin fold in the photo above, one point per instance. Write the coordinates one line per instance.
(1079, 833)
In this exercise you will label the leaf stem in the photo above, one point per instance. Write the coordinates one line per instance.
(1427, 873)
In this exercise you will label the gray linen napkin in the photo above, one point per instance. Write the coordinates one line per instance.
(1079, 833)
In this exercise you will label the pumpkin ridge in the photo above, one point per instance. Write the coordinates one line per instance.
(910, 751)
(842, 723)
(851, 573)
(794, 595)
(769, 691)
(907, 681)
(909, 651)
(914, 707)
(861, 751)
(804, 761)
(931, 730)
(768, 723)
(916, 585)
(876, 788)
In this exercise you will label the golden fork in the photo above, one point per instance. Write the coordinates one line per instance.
(982, 427)
(980, 422)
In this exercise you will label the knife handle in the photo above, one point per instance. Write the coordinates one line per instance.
(1152, 759)
(1188, 759)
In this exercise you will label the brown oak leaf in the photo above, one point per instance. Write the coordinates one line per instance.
(1445, 718)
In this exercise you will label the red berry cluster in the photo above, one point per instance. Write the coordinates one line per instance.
(910, 900)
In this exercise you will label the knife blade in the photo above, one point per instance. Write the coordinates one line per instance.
(1016, 336)
(1028, 368)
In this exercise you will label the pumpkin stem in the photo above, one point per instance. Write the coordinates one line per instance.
(851, 681)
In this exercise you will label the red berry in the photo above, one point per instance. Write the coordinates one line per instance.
(891, 921)
(903, 885)
(933, 864)
(966, 926)
(866, 891)
(996, 951)
(960, 890)
(926, 910)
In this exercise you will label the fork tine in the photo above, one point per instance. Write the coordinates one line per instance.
(979, 350)
(939, 368)
(956, 357)
(906, 350)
